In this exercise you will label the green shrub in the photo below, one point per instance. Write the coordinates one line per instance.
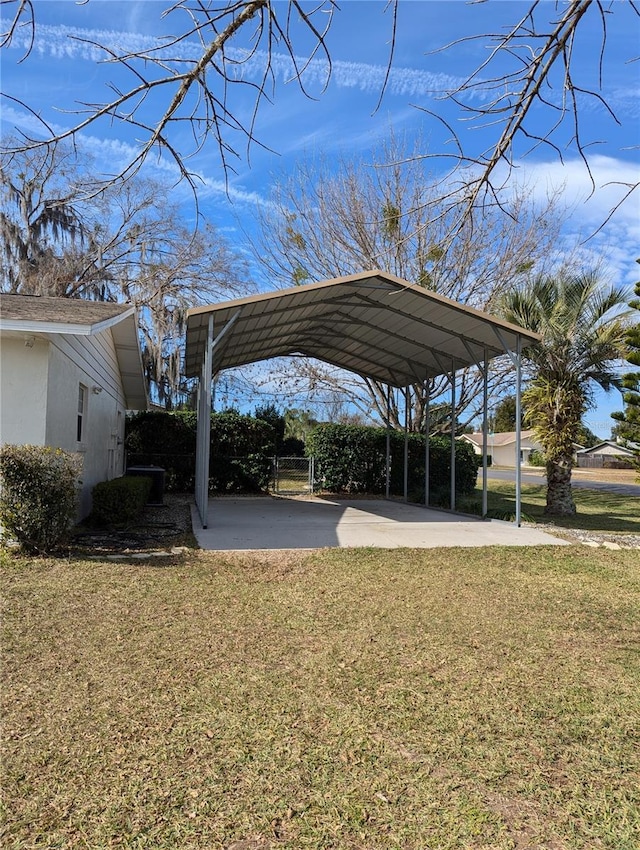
(167, 440)
(249, 474)
(38, 495)
(536, 458)
(120, 500)
(351, 459)
(241, 449)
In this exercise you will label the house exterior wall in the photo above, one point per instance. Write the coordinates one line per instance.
(506, 455)
(90, 361)
(39, 401)
(614, 451)
(605, 455)
(23, 390)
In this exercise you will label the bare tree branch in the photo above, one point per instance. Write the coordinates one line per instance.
(507, 98)
(333, 219)
(193, 77)
(198, 75)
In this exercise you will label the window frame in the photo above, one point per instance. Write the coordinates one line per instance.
(81, 412)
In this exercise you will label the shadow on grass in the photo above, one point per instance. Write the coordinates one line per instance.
(596, 510)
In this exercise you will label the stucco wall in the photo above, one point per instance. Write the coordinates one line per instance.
(23, 390)
(506, 455)
(39, 400)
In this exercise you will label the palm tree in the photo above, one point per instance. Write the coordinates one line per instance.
(582, 328)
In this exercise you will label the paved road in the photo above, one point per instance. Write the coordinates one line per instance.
(539, 478)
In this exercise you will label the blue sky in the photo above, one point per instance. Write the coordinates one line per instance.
(343, 120)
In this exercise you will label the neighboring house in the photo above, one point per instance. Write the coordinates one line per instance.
(501, 448)
(69, 371)
(606, 454)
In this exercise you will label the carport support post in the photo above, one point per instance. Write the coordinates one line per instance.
(516, 359)
(452, 500)
(203, 436)
(426, 442)
(388, 459)
(518, 430)
(485, 429)
(407, 401)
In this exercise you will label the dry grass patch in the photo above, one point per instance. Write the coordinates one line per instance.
(597, 510)
(343, 699)
(612, 476)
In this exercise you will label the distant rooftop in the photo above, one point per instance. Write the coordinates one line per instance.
(503, 438)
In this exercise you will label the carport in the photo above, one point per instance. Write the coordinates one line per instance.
(373, 324)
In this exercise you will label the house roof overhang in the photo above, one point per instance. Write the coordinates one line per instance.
(44, 315)
(373, 324)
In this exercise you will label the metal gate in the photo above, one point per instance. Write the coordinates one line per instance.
(293, 475)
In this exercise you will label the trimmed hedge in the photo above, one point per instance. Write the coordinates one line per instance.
(241, 449)
(120, 500)
(38, 495)
(351, 459)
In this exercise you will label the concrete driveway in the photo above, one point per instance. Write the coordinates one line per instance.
(267, 522)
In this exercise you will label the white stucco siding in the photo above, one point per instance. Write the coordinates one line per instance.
(506, 455)
(92, 362)
(503, 455)
(23, 390)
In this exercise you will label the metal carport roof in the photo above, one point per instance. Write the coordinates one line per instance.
(373, 323)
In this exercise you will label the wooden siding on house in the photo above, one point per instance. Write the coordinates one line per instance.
(92, 362)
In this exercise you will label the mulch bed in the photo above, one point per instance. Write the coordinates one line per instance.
(161, 527)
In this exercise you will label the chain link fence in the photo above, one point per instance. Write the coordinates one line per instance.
(293, 475)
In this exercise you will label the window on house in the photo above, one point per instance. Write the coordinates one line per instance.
(82, 405)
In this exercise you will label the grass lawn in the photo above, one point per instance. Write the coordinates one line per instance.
(597, 510)
(356, 699)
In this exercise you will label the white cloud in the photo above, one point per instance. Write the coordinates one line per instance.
(613, 247)
(111, 155)
(65, 43)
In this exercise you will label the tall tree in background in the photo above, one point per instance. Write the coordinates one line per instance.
(128, 244)
(330, 220)
(583, 336)
(628, 421)
(47, 237)
(503, 418)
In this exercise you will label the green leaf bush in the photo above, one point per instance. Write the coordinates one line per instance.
(38, 495)
(241, 449)
(351, 459)
(167, 440)
(120, 500)
(536, 458)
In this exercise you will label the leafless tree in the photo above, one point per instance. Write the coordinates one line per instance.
(335, 219)
(194, 78)
(128, 244)
(198, 73)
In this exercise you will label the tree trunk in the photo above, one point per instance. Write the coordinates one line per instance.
(559, 496)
